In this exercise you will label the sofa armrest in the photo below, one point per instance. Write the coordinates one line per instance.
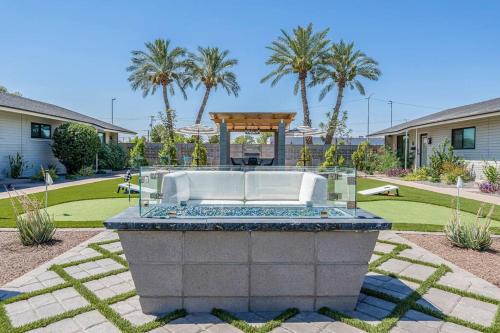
(313, 189)
(175, 187)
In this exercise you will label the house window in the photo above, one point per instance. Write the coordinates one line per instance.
(41, 131)
(102, 137)
(463, 138)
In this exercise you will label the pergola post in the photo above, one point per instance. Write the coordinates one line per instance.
(223, 144)
(280, 146)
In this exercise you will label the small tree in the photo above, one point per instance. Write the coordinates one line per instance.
(213, 139)
(305, 158)
(263, 137)
(76, 146)
(138, 153)
(359, 156)
(244, 139)
(168, 153)
(332, 158)
(199, 156)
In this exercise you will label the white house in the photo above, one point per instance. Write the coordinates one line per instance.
(473, 130)
(27, 126)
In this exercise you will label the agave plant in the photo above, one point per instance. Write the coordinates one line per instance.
(34, 224)
(473, 235)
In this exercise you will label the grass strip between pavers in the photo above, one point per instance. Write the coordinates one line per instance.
(247, 328)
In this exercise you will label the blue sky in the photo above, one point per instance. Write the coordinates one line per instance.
(434, 54)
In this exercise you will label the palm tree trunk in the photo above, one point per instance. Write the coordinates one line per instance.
(332, 123)
(305, 106)
(203, 105)
(168, 111)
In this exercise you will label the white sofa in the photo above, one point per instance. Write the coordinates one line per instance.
(259, 188)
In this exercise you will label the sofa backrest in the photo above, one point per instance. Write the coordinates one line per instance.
(216, 185)
(250, 186)
(273, 185)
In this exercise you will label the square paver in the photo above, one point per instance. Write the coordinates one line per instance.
(461, 307)
(44, 306)
(91, 321)
(130, 309)
(383, 247)
(388, 285)
(112, 247)
(91, 268)
(407, 269)
(110, 286)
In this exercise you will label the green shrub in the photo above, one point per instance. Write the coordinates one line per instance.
(85, 172)
(470, 234)
(305, 157)
(199, 156)
(442, 154)
(17, 165)
(386, 160)
(51, 170)
(359, 156)
(451, 172)
(75, 145)
(418, 175)
(491, 173)
(112, 156)
(168, 153)
(332, 158)
(34, 224)
(138, 153)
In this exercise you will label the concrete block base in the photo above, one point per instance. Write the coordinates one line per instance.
(247, 270)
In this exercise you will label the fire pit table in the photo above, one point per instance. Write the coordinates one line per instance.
(250, 256)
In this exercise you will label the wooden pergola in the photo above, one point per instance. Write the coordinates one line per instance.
(253, 121)
(276, 122)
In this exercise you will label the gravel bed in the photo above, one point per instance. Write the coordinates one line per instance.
(17, 259)
(485, 265)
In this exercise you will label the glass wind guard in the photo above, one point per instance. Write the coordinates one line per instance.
(244, 192)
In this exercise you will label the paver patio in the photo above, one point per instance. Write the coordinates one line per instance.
(408, 289)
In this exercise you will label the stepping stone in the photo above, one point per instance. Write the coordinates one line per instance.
(44, 306)
(110, 286)
(389, 285)
(383, 247)
(87, 269)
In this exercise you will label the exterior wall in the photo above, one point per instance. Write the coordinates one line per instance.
(15, 137)
(487, 141)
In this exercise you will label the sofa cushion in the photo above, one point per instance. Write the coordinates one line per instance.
(216, 185)
(313, 189)
(272, 185)
(175, 187)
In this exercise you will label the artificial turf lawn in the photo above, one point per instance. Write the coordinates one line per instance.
(90, 210)
(98, 190)
(411, 194)
(414, 212)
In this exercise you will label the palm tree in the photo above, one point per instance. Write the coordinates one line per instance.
(159, 65)
(211, 68)
(297, 54)
(341, 68)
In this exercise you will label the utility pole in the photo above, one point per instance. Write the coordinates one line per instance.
(112, 107)
(390, 103)
(368, 118)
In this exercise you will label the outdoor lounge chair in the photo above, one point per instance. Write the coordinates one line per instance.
(133, 188)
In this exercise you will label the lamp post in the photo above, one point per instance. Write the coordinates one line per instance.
(112, 107)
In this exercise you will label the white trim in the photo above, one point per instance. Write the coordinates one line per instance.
(444, 122)
(41, 115)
